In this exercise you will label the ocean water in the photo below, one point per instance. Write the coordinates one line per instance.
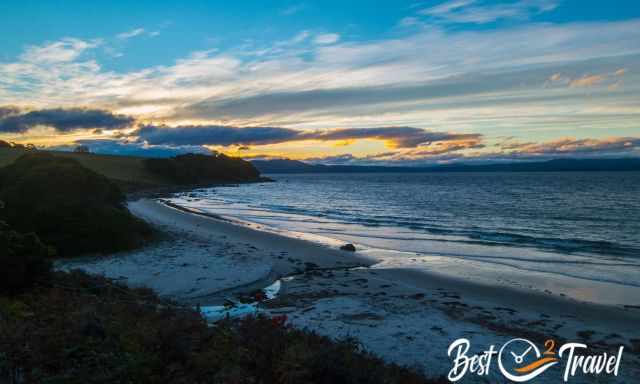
(576, 234)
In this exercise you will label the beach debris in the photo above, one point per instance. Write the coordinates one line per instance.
(234, 308)
(348, 247)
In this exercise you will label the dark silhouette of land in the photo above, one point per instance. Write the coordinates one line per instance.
(556, 165)
(134, 173)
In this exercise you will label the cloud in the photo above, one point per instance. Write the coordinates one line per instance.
(63, 51)
(393, 62)
(447, 7)
(359, 74)
(611, 79)
(409, 21)
(125, 148)
(455, 147)
(395, 137)
(327, 38)
(214, 135)
(8, 110)
(300, 37)
(130, 34)
(449, 79)
(347, 158)
(587, 81)
(443, 147)
(478, 12)
(509, 151)
(615, 86)
(293, 9)
(573, 147)
(332, 99)
(500, 89)
(15, 120)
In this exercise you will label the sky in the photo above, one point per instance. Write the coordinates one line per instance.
(385, 82)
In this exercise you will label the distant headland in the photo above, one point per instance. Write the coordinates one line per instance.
(555, 165)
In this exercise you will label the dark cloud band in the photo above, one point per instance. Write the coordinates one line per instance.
(402, 137)
(15, 120)
(214, 135)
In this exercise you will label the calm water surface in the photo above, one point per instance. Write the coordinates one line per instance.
(578, 225)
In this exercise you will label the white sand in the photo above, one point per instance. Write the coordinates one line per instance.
(202, 256)
(403, 315)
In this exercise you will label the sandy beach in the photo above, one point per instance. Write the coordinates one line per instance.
(405, 316)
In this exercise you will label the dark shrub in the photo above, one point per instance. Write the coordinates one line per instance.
(200, 169)
(67, 205)
(23, 261)
(86, 329)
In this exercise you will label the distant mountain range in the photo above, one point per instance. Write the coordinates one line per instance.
(557, 165)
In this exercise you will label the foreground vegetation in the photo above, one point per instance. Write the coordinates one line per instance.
(24, 260)
(69, 207)
(85, 329)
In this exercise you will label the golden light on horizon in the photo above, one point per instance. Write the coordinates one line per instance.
(307, 149)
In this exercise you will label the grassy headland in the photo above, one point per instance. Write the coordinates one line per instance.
(133, 173)
(121, 169)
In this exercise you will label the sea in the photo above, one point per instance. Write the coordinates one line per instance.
(573, 234)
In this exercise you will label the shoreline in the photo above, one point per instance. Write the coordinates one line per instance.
(595, 278)
(419, 277)
(406, 316)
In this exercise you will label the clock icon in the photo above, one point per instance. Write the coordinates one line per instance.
(520, 360)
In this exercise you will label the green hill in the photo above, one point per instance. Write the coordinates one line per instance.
(68, 206)
(126, 169)
(135, 173)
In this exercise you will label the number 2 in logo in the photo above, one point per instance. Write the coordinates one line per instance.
(550, 345)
